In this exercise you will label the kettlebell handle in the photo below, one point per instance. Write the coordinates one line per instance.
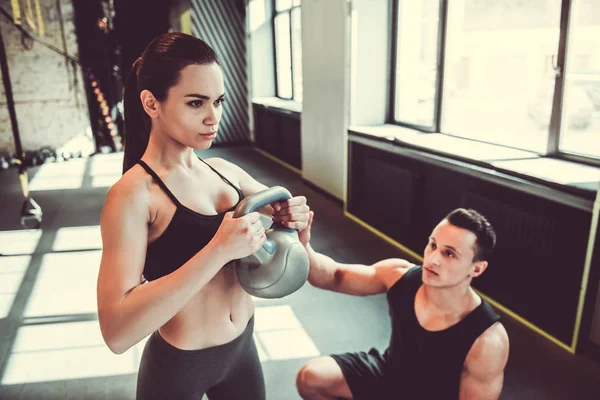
(281, 266)
(261, 199)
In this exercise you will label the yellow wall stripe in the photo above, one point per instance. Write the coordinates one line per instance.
(277, 160)
(383, 236)
(587, 267)
(526, 323)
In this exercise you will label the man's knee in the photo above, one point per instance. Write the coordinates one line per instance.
(319, 375)
(308, 379)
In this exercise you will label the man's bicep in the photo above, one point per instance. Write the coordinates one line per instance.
(483, 374)
(481, 387)
(357, 279)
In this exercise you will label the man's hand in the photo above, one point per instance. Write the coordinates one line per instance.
(304, 234)
(292, 213)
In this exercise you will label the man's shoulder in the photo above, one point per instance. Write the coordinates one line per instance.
(391, 270)
(490, 350)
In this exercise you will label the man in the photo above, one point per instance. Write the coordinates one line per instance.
(446, 341)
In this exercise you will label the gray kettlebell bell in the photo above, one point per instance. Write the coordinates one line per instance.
(280, 266)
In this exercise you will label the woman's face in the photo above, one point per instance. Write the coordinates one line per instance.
(193, 107)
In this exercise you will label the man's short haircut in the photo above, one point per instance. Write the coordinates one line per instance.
(471, 220)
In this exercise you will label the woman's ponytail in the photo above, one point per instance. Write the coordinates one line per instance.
(137, 127)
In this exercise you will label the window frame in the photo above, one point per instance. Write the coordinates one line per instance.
(554, 130)
(441, 44)
(291, 45)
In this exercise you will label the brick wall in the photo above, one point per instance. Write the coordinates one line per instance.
(50, 99)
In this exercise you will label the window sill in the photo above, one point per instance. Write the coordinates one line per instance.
(519, 163)
(286, 106)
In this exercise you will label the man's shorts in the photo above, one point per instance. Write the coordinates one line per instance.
(364, 374)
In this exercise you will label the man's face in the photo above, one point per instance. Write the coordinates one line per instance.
(448, 258)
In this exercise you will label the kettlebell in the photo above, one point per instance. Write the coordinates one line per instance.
(280, 266)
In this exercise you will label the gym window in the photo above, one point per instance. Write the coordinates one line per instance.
(519, 74)
(288, 49)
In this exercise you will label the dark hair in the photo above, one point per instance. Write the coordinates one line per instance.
(157, 70)
(473, 221)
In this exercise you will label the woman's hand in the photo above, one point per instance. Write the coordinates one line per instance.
(240, 237)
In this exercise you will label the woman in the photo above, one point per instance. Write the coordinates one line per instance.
(168, 234)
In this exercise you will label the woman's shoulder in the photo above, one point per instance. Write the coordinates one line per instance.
(217, 162)
(127, 209)
(133, 187)
(227, 168)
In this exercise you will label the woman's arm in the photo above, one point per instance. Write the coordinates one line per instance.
(292, 213)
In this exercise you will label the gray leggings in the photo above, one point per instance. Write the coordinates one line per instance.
(229, 371)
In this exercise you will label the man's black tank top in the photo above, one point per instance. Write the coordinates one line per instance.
(427, 364)
(187, 233)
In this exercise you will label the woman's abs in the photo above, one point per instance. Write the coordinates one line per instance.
(216, 315)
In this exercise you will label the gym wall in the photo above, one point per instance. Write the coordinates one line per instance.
(222, 24)
(58, 113)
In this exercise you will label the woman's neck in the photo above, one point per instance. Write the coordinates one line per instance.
(167, 152)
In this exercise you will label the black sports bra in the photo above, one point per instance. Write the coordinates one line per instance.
(187, 233)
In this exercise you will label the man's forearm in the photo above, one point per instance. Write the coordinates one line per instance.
(322, 270)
